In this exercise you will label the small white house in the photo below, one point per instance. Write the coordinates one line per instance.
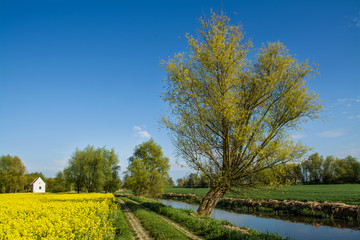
(38, 186)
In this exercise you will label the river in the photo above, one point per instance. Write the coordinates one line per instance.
(298, 231)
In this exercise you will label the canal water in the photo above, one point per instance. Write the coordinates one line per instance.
(298, 231)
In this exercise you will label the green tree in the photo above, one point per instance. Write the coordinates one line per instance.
(60, 184)
(50, 184)
(277, 175)
(328, 170)
(93, 169)
(181, 182)
(229, 117)
(137, 177)
(74, 172)
(204, 181)
(148, 168)
(347, 170)
(313, 167)
(193, 180)
(67, 178)
(112, 181)
(11, 174)
(294, 172)
(170, 182)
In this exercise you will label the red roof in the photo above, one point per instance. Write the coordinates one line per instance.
(34, 180)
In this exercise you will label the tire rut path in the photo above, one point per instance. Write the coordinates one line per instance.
(177, 226)
(140, 232)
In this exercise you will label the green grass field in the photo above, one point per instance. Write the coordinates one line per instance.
(345, 193)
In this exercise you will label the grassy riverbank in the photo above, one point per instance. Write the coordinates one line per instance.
(344, 193)
(205, 227)
(157, 228)
(325, 210)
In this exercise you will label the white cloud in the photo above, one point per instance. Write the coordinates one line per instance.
(144, 134)
(331, 133)
(137, 128)
(141, 133)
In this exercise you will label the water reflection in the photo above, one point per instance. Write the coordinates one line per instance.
(316, 222)
(284, 228)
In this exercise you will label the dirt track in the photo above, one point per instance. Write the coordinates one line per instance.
(181, 229)
(134, 222)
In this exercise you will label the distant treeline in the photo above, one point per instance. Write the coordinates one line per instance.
(317, 169)
(314, 170)
(14, 178)
(96, 169)
(194, 180)
(88, 170)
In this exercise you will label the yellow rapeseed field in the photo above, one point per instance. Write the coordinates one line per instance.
(56, 216)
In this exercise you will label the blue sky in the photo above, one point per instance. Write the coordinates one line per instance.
(74, 73)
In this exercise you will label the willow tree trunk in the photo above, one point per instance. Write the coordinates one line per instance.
(210, 200)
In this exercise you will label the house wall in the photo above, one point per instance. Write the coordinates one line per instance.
(39, 186)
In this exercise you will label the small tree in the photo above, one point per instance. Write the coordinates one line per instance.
(229, 117)
(147, 172)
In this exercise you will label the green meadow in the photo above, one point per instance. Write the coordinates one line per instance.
(344, 193)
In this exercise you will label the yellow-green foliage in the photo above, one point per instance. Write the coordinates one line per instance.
(148, 168)
(56, 216)
(231, 114)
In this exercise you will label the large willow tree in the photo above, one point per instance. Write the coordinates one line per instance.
(230, 114)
